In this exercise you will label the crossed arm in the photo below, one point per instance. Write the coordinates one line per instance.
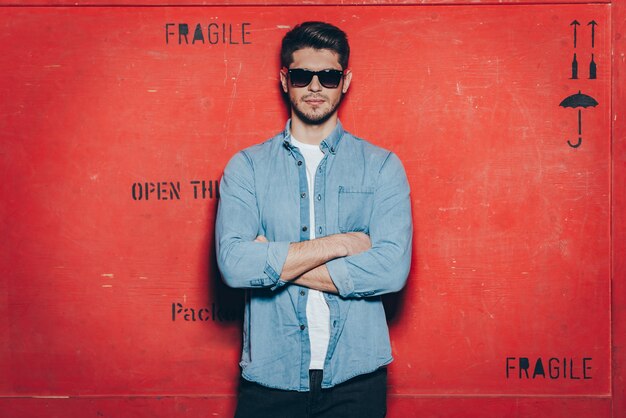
(351, 264)
(306, 261)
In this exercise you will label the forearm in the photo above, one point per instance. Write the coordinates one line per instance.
(305, 256)
(317, 279)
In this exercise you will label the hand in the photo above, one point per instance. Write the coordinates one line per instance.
(356, 242)
(260, 238)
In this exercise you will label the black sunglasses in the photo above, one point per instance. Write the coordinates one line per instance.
(300, 77)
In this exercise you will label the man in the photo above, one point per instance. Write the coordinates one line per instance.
(316, 223)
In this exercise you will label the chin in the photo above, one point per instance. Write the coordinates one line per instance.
(314, 119)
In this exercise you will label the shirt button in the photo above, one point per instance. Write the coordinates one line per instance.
(319, 197)
(303, 195)
(302, 327)
(302, 293)
(299, 162)
(304, 228)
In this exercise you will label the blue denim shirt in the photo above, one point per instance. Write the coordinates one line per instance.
(358, 187)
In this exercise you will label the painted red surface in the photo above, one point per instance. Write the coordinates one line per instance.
(108, 133)
(283, 3)
(618, 231)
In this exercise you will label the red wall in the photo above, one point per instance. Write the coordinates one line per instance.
(110, 302)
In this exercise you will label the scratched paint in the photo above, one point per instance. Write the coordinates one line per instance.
(511, 250)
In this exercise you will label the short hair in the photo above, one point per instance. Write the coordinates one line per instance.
(316, 35)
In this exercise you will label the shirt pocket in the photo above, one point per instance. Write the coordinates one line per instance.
(355, 208)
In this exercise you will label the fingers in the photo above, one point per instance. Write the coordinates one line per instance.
(260, 238)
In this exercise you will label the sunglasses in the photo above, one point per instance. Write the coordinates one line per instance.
(300, 77)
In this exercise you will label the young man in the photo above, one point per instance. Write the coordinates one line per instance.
(316, 223)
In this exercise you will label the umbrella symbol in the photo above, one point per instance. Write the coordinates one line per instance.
(578, 100)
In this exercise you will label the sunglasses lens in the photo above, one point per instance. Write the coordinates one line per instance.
(330, 78)
(300, 78)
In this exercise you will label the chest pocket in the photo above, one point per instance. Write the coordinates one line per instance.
(355, 208)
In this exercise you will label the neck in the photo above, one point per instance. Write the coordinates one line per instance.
(312, 134)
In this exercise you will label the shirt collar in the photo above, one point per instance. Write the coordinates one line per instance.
(330, 143)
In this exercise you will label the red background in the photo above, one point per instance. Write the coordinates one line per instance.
(515, 248)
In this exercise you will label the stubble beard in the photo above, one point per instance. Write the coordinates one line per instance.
(314, 118)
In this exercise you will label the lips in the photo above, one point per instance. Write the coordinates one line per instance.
(314, 101)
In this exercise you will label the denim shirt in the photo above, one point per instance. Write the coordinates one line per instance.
(358, 187)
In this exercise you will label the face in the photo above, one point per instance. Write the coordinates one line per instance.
(315, 104)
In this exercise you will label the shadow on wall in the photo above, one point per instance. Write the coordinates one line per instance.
(227, 303)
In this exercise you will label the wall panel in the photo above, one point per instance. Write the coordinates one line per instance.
(116, 129)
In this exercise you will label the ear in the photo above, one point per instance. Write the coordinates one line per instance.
(347, 78)
(283, 80)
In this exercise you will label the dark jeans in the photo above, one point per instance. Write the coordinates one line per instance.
(363, 396)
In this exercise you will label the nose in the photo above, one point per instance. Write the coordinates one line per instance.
(315, 85)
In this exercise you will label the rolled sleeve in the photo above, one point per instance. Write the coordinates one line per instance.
(338, 270)
(276, 256)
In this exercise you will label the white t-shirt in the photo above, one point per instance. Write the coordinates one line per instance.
(317, 312)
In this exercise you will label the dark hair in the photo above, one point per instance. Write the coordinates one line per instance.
(316, 35)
